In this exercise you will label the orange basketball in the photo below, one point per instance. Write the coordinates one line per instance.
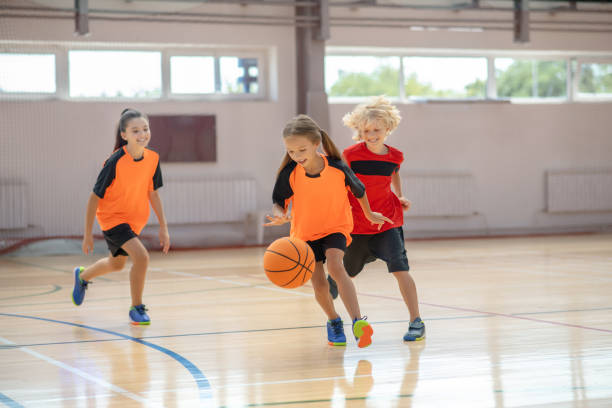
(289, 262)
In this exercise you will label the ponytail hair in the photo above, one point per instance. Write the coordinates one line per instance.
(303, 125)
(126, 116)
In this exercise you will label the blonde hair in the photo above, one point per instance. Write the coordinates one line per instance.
(378, 109)
(303, 125)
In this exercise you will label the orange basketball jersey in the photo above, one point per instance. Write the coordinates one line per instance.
(123, 186)
(320, 204)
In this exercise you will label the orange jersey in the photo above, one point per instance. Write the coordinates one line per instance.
(123, 186)
(320, 204)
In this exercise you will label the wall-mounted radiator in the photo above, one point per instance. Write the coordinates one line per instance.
(223, 199)
(435, 195)
(579, 190)
(13, 205)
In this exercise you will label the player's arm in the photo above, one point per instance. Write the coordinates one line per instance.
(164, 236)
(281, 196)
(358, 190)
(90, 214)
(396, 183)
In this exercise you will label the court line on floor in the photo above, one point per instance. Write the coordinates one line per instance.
(78, 372)
(55, 289)
(509, 315)
(202, 383)
(9, 402)
(60, 302)
(71, 271)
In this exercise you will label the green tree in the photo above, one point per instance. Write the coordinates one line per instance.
(383, 81)
(596, 78)
(518, 79)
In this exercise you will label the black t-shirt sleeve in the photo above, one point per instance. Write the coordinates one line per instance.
(350, 179)
(157, 178)
(107, 174)
(282, 188)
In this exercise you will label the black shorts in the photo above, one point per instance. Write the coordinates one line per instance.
(117, 236)
(319, 246)
(387, 245)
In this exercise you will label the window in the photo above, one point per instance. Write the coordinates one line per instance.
(192, 75)
(239, 75)
(27, 73)
(225, 75)
(445, 77)
(115, 74)
(362, 75)
(595, 80)
(520, 78)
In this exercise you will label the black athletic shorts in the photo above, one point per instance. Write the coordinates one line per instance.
(117, 236)
(319, 246)
(387, 245)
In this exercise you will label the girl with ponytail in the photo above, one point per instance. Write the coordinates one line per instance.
(126, 187)
(316, 186)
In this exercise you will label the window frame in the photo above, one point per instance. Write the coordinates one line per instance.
(62, 70)
(262, 84)
(11, 47)
(572, 75)
(575, 83)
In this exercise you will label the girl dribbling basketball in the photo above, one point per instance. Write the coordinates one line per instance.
(316, 187)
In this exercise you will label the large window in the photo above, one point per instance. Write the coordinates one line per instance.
(362, 75)
(445, 77)
(595, 80)
(463, 75)
(192, 74)
(27, 73)
(522, 78)
(114, 74)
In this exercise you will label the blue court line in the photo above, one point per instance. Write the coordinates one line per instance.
(204, 389)
(226, 332)
(55, 289)
(59, 302)
(71, 271)
(9, 402)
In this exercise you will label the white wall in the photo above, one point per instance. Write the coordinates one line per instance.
(57, 146)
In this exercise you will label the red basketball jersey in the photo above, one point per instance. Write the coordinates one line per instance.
(375, 171)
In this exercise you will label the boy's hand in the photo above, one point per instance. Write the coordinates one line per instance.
(87, 245)
(405, 203)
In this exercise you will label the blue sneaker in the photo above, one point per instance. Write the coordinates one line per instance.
(335, 332)
(80, 286)
(363, 332)
(139, 316)
(416, 330)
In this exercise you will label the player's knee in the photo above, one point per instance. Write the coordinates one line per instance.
(141, 258)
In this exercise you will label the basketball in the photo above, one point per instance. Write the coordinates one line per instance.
(289, 262)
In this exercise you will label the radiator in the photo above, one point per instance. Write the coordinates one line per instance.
(439, 195)
(13, 206)
(579, 190)
(207, 200)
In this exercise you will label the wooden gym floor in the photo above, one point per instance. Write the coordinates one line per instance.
(511, 322)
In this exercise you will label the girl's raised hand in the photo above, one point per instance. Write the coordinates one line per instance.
(87, 245)
(378, 219)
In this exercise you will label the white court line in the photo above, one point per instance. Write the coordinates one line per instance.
(285, 291)
(81, 373)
